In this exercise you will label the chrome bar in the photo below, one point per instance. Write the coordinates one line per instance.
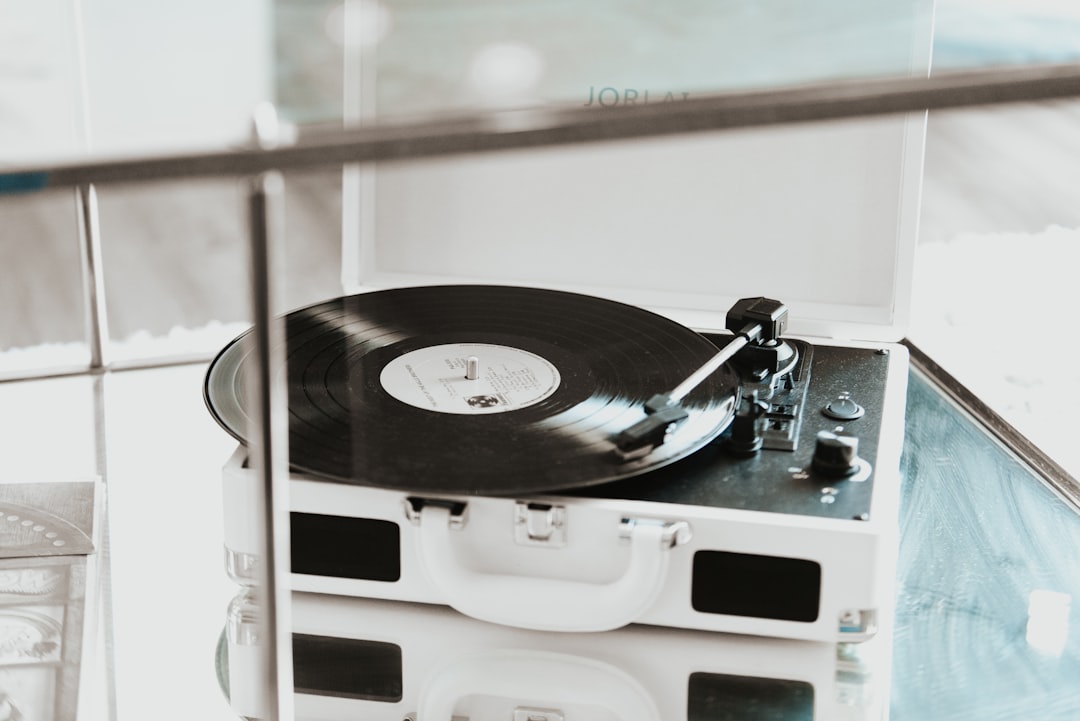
(116, 366)
(107, 617)
(95, 316)
(560, 125)
(1056, 477)
(269, 434)
(354, 180)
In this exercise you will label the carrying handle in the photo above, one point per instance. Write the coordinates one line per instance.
(555, 679)
(548, 604)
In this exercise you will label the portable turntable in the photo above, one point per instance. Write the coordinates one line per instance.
(362, 658)
(505, 449)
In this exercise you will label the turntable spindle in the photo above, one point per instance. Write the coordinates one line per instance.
(472, 368)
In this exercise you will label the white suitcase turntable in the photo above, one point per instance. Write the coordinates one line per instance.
(768, 509)
(459, 440)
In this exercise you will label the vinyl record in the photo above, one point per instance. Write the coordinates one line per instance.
(380, 394)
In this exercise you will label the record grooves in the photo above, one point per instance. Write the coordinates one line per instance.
(378, 393)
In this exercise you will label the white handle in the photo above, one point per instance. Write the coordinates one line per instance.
(555, 679)
(543, 603)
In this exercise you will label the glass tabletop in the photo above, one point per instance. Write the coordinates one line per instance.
(985, 619)
(985, 623)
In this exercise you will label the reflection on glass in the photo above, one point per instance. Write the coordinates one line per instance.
(362, 22)
(995, 278)
(174, 77)
(420, 57)
(308, 60)
(976, 33)
(359, 658)
(41, 297)
(505, 72)
(474, 55)
(426, 58)
(1048, 621)
(987, 555)
(173, 256)
(41, 106)
(175, 260)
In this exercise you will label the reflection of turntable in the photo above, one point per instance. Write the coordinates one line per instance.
(365, 659)
(612, 466)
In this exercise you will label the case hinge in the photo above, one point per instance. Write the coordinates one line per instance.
(675, 533)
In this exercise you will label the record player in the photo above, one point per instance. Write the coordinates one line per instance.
(565, 452)
(362, 658)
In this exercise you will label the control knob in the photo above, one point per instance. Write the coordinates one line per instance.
(835, 455)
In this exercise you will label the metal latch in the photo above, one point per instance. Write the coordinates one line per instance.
(523, 713)
(539, 524)
(414, 505)
(675, 533)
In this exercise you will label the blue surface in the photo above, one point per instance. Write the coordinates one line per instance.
(969, 33)
(979, 534)
(12, 183)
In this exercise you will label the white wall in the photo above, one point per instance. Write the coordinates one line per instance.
(165, 75)
(161, 77)
(39, 110)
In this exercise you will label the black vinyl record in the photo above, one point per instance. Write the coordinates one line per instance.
(379, 392)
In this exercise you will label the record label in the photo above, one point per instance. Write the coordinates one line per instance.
(470, 378)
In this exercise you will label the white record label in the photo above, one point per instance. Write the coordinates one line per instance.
(437, 378)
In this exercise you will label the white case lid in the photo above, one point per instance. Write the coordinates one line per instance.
(821, 216)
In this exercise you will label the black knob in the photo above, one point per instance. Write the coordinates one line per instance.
(836, 456)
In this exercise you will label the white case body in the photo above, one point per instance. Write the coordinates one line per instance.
(452, 666)
(600, 579)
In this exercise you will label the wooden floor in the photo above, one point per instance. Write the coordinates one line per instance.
(1001, 170)
(175, 256)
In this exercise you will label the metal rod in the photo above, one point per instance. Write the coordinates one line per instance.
(1054, 475)
(116, 366)
(96, 319)
(105, 594)
(695, 379)
(559, 125)
(354, 99)
(269, 437)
